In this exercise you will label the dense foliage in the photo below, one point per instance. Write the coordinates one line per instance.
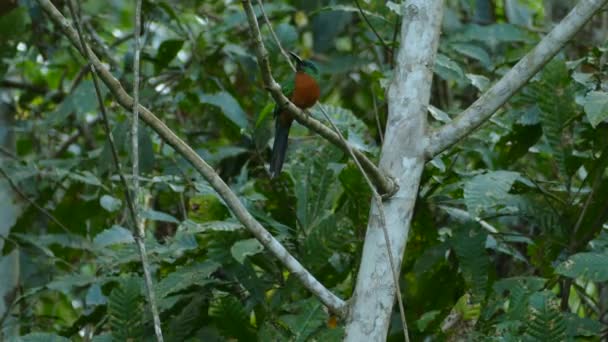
(508, 239)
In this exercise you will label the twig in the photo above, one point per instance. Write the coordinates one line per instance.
(46, 213)
(276, 39)
(385, 184)
(86, 51)
(377, 115)
(335, 304)
(138, 222)
(379, 204)
(25, 86)
(386, 47)
(102, 49)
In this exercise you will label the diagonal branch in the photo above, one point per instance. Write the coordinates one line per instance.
(482, 109)
(334, 303)
(385, 184)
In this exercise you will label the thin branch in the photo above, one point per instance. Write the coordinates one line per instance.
(25, 86)
(335, 304)
(87, 53)
(387, 240)
(385, 184)
(100, 46)
(274, 35)
(18, 191)
(386, 47)
(138, 222)
(512, 81)
(377, 115)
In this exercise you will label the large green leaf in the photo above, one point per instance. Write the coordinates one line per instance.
(125, 310)
(591, 266)
(184, 277)
(229, 106)
(596, 107)
(488, 191)
(544, 321)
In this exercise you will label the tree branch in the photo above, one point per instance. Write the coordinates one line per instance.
(482, 109)
(334, 303)
(385, 184)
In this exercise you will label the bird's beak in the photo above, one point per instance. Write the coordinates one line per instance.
(296, 57)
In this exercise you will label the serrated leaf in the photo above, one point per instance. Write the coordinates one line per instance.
(544, 321)
(469, 245)
(591, 266)
(479, 81)
(473, 51)
(226, 226)
(488, 190)
(449, 70)
(114, 235)
(125, 310)
(596, 107)
(194, 274)
(110, 203)
(306, 317)
(244, 248)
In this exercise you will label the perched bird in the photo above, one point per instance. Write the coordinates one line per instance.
(303, 90)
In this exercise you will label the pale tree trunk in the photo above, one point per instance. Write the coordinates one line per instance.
(403, 158)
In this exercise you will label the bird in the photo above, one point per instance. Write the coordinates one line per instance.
(303, 90)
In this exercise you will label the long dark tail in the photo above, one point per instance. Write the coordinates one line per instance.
(279, 148)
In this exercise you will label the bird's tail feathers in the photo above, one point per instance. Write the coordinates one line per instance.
(279, 149)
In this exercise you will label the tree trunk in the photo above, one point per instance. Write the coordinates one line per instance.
(403, 158)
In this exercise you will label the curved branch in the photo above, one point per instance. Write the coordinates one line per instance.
(385, 184)
(334, 303)
(512, 81)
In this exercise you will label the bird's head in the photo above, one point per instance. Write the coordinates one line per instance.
(304, 65)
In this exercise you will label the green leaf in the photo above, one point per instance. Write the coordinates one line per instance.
(427, 318)
(229, 106)
(478, 81)
(167, 52)
(244, 248)
(582, 326)
(488, 191)
(194, 274)
(125, 310)
(264, 114)
(306, 317)
(544, 321)
(155, 215)
(473, 51)
(596, 107)
(67, 282)
(287, 34)
(469, 245)
(81, 101)
(231, 318)
(591, 266)
(110, 203)
(449, 70)
(9, 210)
(42, 337)
(112, 236)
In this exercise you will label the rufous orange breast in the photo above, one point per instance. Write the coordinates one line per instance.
(306, 91)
